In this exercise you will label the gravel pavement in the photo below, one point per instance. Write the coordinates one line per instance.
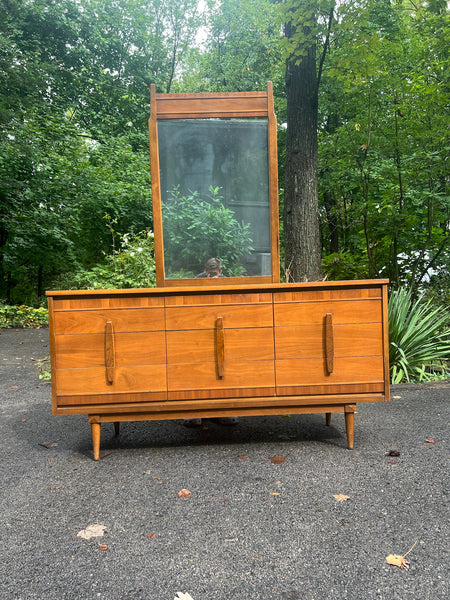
(250, 530)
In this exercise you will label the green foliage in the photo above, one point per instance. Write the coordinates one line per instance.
(196, 229)
(74, 106)
(241, 50)
(382, 140)
(131, 265)
(419, 339)
(44, 368)
(22, 316)
(73, 145)
(344, 265)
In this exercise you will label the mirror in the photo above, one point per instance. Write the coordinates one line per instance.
(214, 186)
(215, 196)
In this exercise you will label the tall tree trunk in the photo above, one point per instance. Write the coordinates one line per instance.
(301, 212)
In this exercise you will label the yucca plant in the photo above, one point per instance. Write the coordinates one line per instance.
(419, 339)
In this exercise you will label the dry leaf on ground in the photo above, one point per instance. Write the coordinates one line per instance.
(92, 531)
(48, 444)
(276, 460)
(181, 596)
(430, 441)
(393, 453)
(184, 494)
(150, 536)
(340, 497)
(103, 547)
(398, 561)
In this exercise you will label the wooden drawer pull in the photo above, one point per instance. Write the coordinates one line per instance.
(329, 343)
(220, 348)
(110, 357)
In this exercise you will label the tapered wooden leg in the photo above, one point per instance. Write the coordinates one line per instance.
(116, 428)
(350, 424)
(96, 430)
(328, 419)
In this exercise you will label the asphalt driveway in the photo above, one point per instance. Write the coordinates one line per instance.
(250, 530)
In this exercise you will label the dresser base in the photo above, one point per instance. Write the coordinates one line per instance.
(349, 411)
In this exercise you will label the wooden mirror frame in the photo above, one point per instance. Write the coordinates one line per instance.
(204, 106)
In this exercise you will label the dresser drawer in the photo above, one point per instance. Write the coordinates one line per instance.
(343, 311)
(253, 375)
(308, 341)
(123, 320)
(313, 371)
(193, 346)
(88, 381)
(233, 316)
(88, 349)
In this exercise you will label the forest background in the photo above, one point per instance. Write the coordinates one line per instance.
(75, 190)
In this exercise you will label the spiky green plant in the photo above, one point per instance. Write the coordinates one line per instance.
(419, 339)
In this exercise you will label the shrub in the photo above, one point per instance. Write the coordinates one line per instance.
(196, 229)
(344, 265)
(419, 339)
(132, 265)
(23, 316)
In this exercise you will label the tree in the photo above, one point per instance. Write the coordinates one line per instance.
(301, 209)
(73, 115)
(381, 143)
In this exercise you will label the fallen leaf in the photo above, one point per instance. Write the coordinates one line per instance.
(242, 456)
(274, 493)
(398, 561)
(103, 547)
(276, 460)
(393, 453)
(430, 441)
(91, 531)
(184, 494)
(48, 444)
(151, 536)
(13, 387)
(181, 596)
(340, 497)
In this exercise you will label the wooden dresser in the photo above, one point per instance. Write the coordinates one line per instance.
(171, 353)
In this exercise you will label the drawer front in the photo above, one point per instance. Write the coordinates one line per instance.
(123, 320)
(308, 341)
(104, 302)
(204, 317)
(313, 371)
(343, 311)
(189, 347)
(130, 349)
(222, 299)
(88, 381)
(252, 375)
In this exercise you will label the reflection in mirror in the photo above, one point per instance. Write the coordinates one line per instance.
(215, 195)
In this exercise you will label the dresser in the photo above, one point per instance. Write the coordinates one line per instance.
(239, 350)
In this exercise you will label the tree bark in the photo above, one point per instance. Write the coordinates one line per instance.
(301, 211)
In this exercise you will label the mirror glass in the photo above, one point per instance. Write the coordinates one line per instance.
(215, 196)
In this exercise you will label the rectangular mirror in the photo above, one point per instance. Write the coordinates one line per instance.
(212, 187)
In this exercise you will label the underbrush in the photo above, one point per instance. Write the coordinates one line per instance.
(22, 316)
